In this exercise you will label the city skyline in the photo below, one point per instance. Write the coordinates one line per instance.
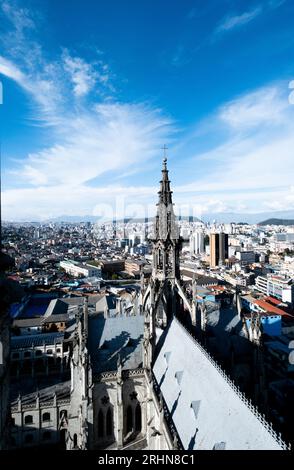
(115, 335)
(88, 105)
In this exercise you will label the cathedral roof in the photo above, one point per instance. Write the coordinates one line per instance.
(208, 411)
(28, 341)
(116, 336)
(56, 307)
(45, 387)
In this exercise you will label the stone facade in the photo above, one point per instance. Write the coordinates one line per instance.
(40, 419)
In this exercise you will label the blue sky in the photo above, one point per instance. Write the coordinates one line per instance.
(93, 89)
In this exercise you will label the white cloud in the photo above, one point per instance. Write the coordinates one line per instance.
(43, 202)
(54, 85)
(8, 69)
(20, 17)
(235, 21)
(89, 139)
(40, 85)
(111, 137)
(252, 166)
(84, 76)
(261, 107)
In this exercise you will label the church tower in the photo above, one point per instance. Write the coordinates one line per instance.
(166, 242)
(166, 247)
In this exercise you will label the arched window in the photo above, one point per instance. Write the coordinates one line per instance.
(75, 440)
(63, 413)
(160, 259)
(129, 419)
(100, 424)
(138, 418)
(46, 417)
(109, 425)
(28, 420)
(46, 436)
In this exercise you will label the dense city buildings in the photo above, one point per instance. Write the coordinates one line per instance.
(114, 347)
(146, 290)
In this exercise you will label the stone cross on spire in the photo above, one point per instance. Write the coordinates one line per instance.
(164, 148)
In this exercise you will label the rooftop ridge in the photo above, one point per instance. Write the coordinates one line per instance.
(268, 426)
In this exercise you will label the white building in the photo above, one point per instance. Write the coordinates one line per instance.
(197, 243)
(80, 270)
(277, 286)
(284, 237)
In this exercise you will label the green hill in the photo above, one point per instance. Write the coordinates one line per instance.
(277, 222)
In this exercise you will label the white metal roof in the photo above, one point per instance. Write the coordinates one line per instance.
(207, 409)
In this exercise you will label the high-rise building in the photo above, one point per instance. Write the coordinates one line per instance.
(197, 242)
(219, 248)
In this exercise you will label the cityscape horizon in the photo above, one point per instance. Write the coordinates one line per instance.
(146, 231)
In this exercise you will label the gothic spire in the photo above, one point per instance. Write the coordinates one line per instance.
(165, 193)
(165, 223)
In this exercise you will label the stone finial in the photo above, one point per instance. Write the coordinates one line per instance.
(19, 402)
(55, 399)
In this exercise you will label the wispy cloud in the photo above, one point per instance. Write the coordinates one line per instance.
(264, 107)
(247, 166)
(235, 21)
(85, 76)
(53, 84)
(276, 3)
(249, 170)
(251, 166)
(90, 138)
(181, 56)
(21, 18)
(110, 137)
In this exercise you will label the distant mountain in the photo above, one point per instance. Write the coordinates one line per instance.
(253, 218)
(277, 222)
(75, 219)
(219, 217)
